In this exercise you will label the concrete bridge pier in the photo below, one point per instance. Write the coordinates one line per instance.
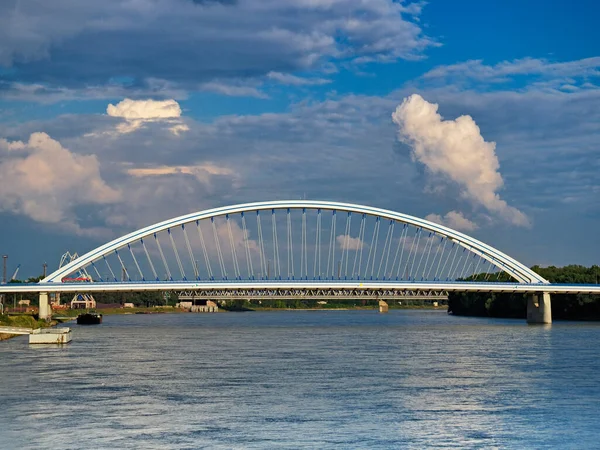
(539, 309)
(45, 311)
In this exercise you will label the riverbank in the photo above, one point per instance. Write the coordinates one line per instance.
(73, 313)
(23, 321)
(340, 308)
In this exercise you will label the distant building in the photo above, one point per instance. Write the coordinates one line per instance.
(83, 301)
(205, 306)
(184, 305)
(54, 298)
(128, 305)
(198, 305)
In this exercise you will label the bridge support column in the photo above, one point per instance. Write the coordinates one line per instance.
(539, 309)
(45, 311)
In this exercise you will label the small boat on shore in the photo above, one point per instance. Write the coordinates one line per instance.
(89, 318)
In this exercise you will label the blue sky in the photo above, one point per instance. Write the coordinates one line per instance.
(217, 102)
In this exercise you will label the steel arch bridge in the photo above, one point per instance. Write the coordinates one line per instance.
(299, 248)
(292, 241)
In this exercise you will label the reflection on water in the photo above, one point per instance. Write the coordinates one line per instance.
(343, 379)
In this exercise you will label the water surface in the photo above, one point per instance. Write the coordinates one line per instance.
(309, 379)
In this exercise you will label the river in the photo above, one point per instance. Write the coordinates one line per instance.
(305, 379)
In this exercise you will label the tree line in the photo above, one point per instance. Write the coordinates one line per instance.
(510, 305)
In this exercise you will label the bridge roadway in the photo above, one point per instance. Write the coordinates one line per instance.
(300, 285)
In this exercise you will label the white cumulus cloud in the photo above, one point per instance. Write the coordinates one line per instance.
(202, 172)
(45, 181)
(347, 242)
(453, 219)
(456, 150)
(139, 112)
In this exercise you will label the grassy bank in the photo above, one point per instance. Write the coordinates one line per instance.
(23, 321)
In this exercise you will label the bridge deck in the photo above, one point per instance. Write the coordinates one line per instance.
(290, 285)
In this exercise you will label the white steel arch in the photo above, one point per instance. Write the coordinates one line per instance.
(519, 271)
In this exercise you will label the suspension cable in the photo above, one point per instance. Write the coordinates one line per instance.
(122, 266)
(498, 276)
(109, 268)
(149, 260)
(345, 249)
(452, 266)
(388, 242)
(317, 273)
(477, 266)
(488, 271)
(431, 240)
(374, 240)
(400, 262)
(261, 247)
(162, 256)
(204, 251)
(136, 262)
(247, 247)
(191, 253)
(290, 250)
(412, 247)
(400, 240)
(462, 272)
(440, 253)
(97, 273)
(361, 240)
(236, 267)
(422, 255)
(176, 254)
(438, 256)
(331, 248)
(304, 250)
(454, 244)
(218, 246)
(276, 264)
(456, 271)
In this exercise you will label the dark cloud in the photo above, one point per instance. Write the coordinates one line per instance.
(67, 43)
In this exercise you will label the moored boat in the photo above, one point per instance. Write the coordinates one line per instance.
(89, 318)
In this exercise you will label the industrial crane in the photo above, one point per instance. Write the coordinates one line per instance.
(16, 272)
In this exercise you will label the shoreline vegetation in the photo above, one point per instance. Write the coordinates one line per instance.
(583, 307)
(23, 321)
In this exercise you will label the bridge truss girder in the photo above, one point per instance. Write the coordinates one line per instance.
(313, 294)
